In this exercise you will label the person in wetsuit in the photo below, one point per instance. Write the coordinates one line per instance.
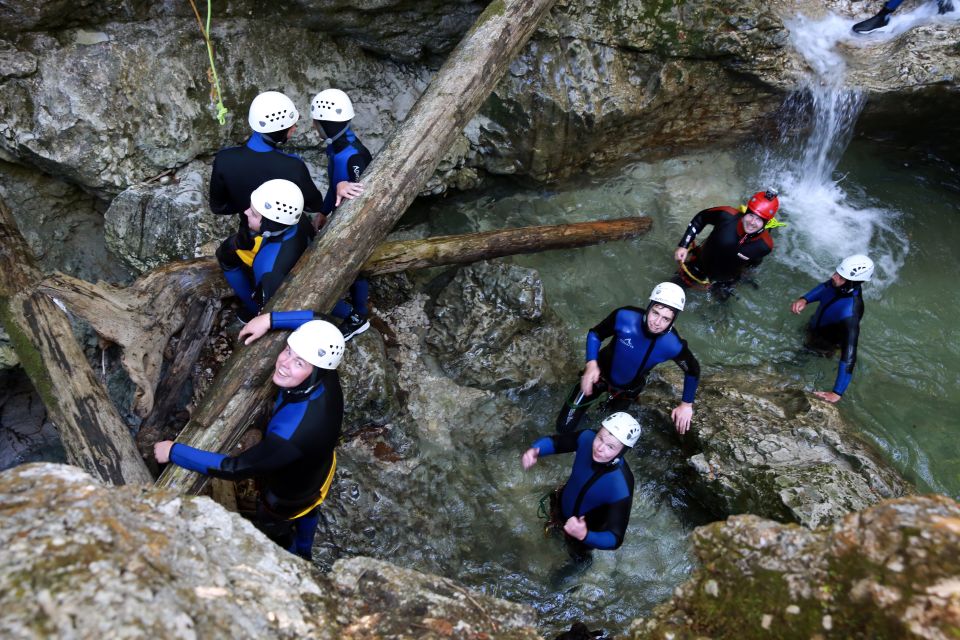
(640, 340)
(274, 213)
(836, 322)
(739, 240)
(295, 461)
(238, 171)
(347, 158)
(882, 19)
(593, 506)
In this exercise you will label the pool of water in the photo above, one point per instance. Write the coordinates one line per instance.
(902, 396)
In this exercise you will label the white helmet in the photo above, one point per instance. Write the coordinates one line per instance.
(669, 294)
(331, 105)
(278, 200)
(272, 111)
(856, 268)
(319, 343)
(623, 427)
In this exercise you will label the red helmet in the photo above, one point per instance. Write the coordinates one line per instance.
(764, 203)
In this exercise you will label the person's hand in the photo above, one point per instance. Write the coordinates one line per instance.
(828, 396)
(529, 457)
(255, 329)
(161, 451)
(347, 190)
(576, 527)
(798, 305)
(682, 415)
(318, 221)
(590, 377)
(680, 254)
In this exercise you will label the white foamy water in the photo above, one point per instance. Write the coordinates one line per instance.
(826, 222)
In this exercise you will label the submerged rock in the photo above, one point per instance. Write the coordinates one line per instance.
(890, 571)
(776, 452)
(83, 560)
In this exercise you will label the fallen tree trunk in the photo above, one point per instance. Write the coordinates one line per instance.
(393, 180)
(93, 434)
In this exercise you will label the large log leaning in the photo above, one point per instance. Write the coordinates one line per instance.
(393, 180)
(93, 434)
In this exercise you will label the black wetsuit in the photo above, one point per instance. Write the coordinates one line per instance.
(836, 323)
(626, 361)
(728, 250)
(294, 458)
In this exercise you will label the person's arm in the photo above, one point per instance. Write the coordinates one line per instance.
(618, 517)
(271, 453)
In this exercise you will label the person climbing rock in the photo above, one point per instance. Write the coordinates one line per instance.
(836, 322)
(237, 171)
(593, 507)
(294, 463)
(274, 213)
(640, 340)
(740, 239)
(347, 158)
(882, 19)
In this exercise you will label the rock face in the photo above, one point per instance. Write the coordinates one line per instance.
(887, 572)
(83, 560)
(778, 453)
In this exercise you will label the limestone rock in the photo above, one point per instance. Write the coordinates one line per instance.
(491, 328)
(889, 571)
(83, 560)
(776, 452)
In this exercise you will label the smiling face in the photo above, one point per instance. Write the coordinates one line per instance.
(253, 218)
(659, 318)
(752, 222)
(605, 446)
(290, 370)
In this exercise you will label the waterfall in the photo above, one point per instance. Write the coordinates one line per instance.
(826, 221)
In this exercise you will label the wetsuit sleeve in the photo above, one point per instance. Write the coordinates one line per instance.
(691, 371)
(701, 220)
(291, 319)
(815, 294)
(618, 517)
(560, 443)
(848, 356)
(599, 333)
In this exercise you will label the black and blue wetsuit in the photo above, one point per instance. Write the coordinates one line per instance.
(627, 359)
(600, 493)
(728, 250)
(836, 323)
(347, 158)
(294, 458)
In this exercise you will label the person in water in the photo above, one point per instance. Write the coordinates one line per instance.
(640, 339)
(347, 159)
(295, 461)
(238, 171)
(882, 19)
(274, 214)
(739, 239)
(836, 322)
(593, 507)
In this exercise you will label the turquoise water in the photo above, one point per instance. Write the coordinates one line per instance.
(902, 396)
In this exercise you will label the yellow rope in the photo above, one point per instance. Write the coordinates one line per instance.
(205, 31)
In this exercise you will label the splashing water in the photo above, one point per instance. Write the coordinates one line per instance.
(826, 222)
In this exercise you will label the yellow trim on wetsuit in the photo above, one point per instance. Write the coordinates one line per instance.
(247, 255)
(323, 490)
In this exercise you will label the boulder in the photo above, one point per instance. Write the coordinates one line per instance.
(889, 571)
(757, 446)
(83, 560)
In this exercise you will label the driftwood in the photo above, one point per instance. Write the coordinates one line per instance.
(92, 432)
(394, 178)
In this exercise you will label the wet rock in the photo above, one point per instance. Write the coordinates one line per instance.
(889, 571)
(80, 559)
(762, 448)
(490, 328)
